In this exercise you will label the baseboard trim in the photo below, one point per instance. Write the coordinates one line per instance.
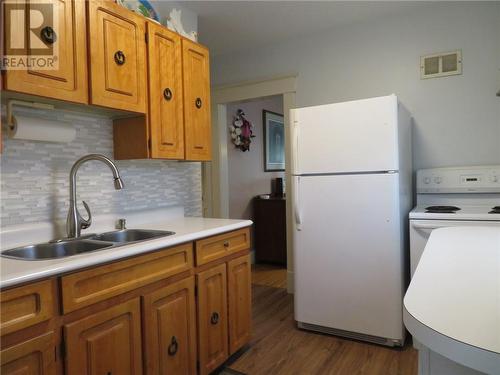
(351, 335)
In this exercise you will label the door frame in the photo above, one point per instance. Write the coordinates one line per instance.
(215, 178)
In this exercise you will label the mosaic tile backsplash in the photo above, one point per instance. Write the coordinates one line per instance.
(35, 176)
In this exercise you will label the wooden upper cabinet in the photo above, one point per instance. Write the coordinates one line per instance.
(106, 343)
(117, 46)
(239, 286)
(169, 318)
(196, 77)
(212, 318)
(31, 357)
(165, 93)
(63, 31)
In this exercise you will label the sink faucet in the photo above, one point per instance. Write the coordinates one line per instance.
(75, 222)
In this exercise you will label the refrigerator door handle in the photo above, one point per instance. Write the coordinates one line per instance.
(295, 142)
(296, 208)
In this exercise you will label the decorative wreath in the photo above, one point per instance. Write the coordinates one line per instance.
(241, 131)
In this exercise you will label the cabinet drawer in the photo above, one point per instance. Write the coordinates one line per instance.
(25, 306)
(213, 248)
(97, 284)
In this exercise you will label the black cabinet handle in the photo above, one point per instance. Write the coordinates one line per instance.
(119, 57)
(172, 348)
(226, 244)
(214, 319)
(167, 94)
(198, 103)
(48, 35)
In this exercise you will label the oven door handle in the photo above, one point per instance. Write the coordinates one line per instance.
(426, 226)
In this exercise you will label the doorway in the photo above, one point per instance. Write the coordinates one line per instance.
(216, 187)
(256, 163)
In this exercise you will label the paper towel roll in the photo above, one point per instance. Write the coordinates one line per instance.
(36, 129)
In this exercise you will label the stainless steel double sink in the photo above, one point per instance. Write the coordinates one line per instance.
(85, 244)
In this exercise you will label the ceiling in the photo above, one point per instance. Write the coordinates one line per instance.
(230, 26)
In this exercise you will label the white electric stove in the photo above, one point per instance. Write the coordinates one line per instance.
(459, 196)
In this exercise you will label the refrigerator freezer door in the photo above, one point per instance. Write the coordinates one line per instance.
(348, 254)
(356, 136)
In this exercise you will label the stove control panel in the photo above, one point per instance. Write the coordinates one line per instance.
(478, 179)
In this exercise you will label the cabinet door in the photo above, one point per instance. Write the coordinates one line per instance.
(117, 57)
(170, 329)
(212, 318)
(165, 93)
(66, 18)
(107, 342)
(196, 77)
(32, 357)
(239, 284)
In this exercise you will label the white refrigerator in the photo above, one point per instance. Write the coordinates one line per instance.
(352, 191)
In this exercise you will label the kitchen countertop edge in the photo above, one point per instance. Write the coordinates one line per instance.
(60, 266)
(468, 355)
(451, 243)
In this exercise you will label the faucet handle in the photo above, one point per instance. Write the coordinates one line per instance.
(85, 223)
(121, 224)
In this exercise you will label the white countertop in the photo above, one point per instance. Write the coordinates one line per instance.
(186, 229)
(452, 305)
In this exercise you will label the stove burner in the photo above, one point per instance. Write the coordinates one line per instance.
(495, 210)
(442, 209)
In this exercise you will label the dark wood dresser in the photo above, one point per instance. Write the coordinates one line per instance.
(269, 216)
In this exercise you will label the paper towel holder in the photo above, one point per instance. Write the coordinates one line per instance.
(12, 102)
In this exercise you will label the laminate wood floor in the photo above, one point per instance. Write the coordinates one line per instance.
(268, 275)
(278, 347)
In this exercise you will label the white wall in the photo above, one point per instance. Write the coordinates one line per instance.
(457, 119)
(246, 169)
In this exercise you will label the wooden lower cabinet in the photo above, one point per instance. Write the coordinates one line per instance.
(35, 356)
(239, 281)
(169, 324)
(156, 313)
(106, 343)
(212, 318)
(26, 306)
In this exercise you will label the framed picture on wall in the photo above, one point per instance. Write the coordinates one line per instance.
(274, 141)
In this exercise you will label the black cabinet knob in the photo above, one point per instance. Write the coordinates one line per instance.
(214, 319)
(48, 35)
(167, 94)
(198, 103)
(172, 348)
(119, 57)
